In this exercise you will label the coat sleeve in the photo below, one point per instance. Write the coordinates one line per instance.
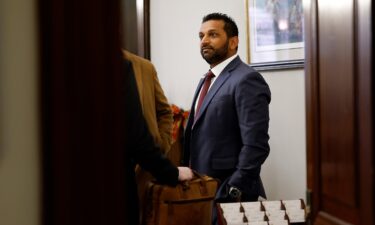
(252, 100)
(140, 147)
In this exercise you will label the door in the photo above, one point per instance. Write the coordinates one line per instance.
(339, 98)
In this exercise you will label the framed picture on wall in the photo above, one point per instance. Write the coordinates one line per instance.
(275, 37)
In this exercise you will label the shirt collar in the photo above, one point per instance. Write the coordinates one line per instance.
(220, 67)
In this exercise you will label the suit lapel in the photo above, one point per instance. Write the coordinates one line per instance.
(225, 74)
(211, 93)
(192, 110)
(197, 92)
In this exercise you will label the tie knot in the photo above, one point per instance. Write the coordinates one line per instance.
(210, 74)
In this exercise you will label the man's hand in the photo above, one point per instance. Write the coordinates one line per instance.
(184, 173)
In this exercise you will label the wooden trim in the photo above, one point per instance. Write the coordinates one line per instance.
(82, 114)
(365, 110)
(326, 219)
(147, 35)
(312, 102)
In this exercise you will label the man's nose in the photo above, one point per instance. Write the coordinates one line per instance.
(204, 40)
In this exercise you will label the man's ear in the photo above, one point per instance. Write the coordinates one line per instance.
(233, 43)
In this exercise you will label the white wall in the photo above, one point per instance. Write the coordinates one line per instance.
(284, 172)
(175, 53)
(19, 147)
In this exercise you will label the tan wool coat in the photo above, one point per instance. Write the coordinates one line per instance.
(155, 106)
(157, 113)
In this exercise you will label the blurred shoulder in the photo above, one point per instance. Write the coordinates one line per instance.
(136, 60)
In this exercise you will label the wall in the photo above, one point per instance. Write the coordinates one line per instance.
(175, 53)
(19, 157)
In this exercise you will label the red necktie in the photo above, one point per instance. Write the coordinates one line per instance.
(206, 85)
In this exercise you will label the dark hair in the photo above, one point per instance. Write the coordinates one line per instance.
(230, 26)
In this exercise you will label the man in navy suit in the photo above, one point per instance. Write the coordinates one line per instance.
(226, 135)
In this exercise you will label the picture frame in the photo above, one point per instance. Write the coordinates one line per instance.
(274, 33)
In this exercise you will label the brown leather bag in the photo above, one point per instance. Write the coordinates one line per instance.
(188, 203)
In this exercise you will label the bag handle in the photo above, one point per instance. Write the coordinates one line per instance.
(196, 174)
(203, 186)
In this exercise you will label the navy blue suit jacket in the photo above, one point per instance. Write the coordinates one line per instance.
(229, 139)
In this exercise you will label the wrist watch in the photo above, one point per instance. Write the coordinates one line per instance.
(234, 193)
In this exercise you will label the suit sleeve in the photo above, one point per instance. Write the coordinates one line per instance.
(140, 143)
(164, 115)
(252, 99)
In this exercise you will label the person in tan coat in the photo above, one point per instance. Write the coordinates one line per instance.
(155, 106)
(156, 111)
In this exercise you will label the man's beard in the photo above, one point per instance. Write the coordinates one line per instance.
(217, 56)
